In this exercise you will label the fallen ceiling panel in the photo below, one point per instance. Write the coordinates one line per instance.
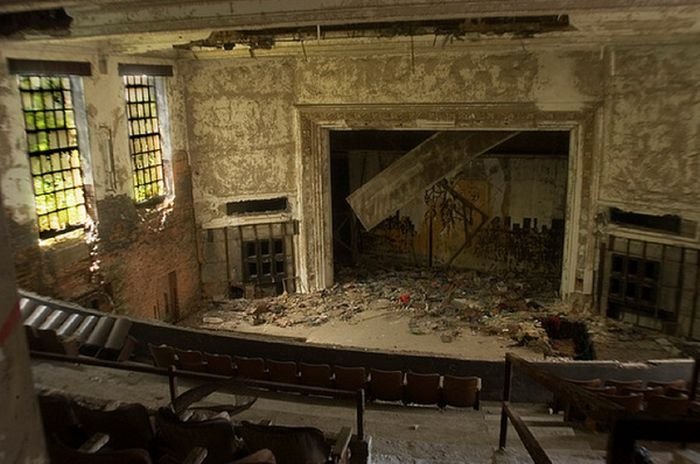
(408, 177)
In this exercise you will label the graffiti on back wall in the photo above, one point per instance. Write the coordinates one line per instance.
(522, 246)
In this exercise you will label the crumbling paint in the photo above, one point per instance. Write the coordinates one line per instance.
(124, 263)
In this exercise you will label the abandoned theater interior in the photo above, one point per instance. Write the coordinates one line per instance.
(340, 231)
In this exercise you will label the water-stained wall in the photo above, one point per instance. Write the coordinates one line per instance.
(133, 259)
(245, 136)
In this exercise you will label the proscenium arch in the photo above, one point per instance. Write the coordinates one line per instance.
(314, 247)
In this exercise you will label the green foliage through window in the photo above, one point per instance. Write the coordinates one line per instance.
(144, 137)
(54, 155)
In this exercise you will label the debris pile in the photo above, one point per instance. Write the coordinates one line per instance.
(444, 301)
(525, 309)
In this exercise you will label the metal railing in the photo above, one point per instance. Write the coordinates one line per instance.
(258, 388)
(626, 428)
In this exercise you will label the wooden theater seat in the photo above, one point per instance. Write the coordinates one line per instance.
(619, 384)
(631, 403)
(296, 445)
(219, 364)
(315, 375)
(190, 360)
(461, 392)
(350, 378)
(422, 388)
(662, 405)
(250, 368)
(386, 385)
(163, 355)
(282, 371)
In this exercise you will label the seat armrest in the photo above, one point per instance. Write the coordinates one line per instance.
(95, 443)
(196, 456)
(340, 447)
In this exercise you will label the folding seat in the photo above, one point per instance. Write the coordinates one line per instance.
(461, 392)
(631, 403)
(69, 326)
(662, 405)
(219, 364)
(422, 388)
(386, 385)
(250, 368)
(128, 426)
(282, 371)
(190, 360)
(296, 445)
(350, 378)
(85, 328)
(315, 375)
(619, 384)
(163, 355)
(97, 339)
(119, 345)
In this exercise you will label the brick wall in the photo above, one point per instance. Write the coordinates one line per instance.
(131, 268)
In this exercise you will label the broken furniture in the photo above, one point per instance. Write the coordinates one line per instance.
(294, 445)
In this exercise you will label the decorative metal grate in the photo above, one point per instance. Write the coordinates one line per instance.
(144, 137)
(54, 154)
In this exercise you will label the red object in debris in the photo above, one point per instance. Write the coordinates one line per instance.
(405, 298)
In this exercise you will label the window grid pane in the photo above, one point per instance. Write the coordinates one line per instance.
(144, 137)
(54, 155)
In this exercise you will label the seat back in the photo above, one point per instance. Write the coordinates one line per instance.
(282, 371)
(678, 384)
(593, 383)
(216, 435)
(60, 421)
(190, 360)
(461, 392)
(631, 403)
(128, 426)
(250, 368)
(661, 405)
(647, 392)
(61, 453)
(220, 364)
(386, 385)
(637, 383)
(422, 388)
(290, 445)
(350, 378)
(315, 375)
(163, 355)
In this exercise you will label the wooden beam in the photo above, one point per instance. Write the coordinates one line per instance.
(410, 176)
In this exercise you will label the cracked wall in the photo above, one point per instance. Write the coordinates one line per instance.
(123, 263)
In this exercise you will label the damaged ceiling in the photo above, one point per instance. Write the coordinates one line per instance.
(296, 27)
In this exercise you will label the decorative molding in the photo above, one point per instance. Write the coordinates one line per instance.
(316, 260)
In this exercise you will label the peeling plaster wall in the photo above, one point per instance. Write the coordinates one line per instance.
(652, 150)
(244, 135)
(127, 267)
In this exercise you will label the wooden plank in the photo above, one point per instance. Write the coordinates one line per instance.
(408, 177)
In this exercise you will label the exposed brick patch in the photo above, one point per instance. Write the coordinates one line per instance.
(137, 250)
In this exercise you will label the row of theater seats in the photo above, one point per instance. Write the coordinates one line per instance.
(62, 331)
(409, 388)
(668, 398)
(129, 434)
